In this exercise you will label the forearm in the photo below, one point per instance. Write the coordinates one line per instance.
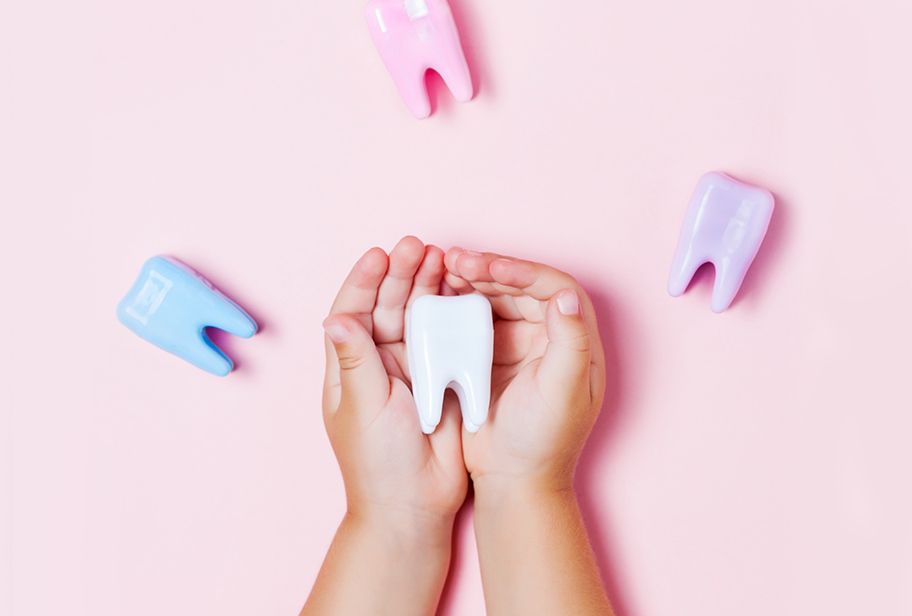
(535, 553)
(377, 566)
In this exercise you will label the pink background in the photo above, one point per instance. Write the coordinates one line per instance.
(751, 463)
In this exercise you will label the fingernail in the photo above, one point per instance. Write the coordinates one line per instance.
(568, 303)
(337, 333)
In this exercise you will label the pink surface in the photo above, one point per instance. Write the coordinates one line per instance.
(749, 463)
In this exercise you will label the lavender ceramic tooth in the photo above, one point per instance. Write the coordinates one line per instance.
(725, 225)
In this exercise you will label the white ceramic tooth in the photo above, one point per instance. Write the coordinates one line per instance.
(450, 344)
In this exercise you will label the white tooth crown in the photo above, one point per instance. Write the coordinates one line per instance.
(450, 345)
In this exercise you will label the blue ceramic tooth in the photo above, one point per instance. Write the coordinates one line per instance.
(171, 305)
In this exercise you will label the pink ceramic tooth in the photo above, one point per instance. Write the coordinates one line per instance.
(413, 36)
(725, 225)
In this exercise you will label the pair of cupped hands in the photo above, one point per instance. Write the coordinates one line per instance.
(548, 383)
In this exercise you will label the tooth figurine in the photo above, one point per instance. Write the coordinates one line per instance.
(414, 36)
(725, 225)
(450, 344)
(170, 305)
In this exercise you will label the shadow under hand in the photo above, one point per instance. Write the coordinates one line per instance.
(587, 474)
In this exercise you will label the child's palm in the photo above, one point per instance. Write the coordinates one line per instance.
(544, 401)
(369, 410)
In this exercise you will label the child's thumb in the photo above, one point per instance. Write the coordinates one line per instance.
(361, 375)
(565, 365)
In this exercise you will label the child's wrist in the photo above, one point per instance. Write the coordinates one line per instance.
(403, 526)
(495, 492)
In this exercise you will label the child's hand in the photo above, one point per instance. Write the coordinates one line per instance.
(548, 375)
(548, 385)
(392, 470)
(392, 551)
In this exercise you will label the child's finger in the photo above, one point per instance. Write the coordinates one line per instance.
(541, 283)
(457, 284)
(362, 379)
(533, 279)
(451, 277)
(507, 275)
(429, 275)
(446, 441)
(504, 305)
(358, 294)
(449, 259)
(445, 289)
(475, 269)
(389, 313)
(564, 369)
(470, 265)
(501, 297)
